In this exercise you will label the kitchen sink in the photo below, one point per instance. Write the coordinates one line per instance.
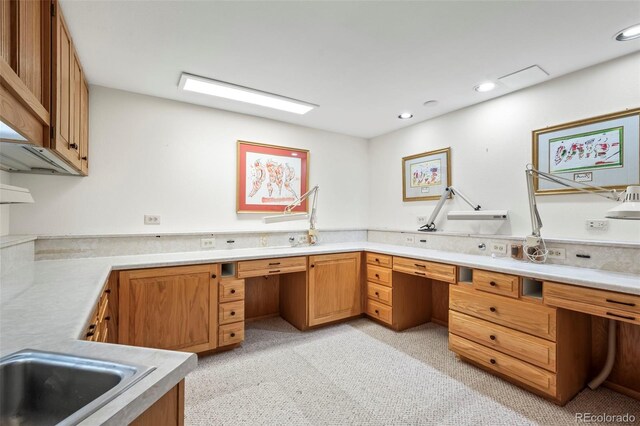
(46, 388)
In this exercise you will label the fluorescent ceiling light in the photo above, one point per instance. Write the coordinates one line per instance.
(630, 33)
(405, 116)
(485, 87)
(206, 86)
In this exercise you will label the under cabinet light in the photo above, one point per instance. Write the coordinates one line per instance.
(221, 89)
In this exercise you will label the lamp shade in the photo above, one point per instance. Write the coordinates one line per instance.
(630, 207)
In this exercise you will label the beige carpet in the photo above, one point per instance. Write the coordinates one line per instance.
(363, 374)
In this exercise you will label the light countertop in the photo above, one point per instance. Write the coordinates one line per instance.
(47, 306)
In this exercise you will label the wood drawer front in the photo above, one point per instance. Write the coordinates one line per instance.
(531, 318)
(379, 260)
(521, 371)
(608, 304)
(379, 275)
(379, 311)
(263, 267)
(379, 293)
(230, 334)
(528, 348)
(231, 312)
(436, 271)
(497, 283)
(231, 290)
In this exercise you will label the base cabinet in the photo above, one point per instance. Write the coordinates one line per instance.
(334, 287)
(170, 308)
(167, 411)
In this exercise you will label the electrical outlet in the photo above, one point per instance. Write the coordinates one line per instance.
(499, 248)
(409, 239)
(150, 219)
(207, 243)
(422, 220)
(597, 224)
(263, 240)
(556, 253)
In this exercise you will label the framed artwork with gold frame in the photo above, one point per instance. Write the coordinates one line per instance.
(425, 176)
(601, 151)
(270, 177)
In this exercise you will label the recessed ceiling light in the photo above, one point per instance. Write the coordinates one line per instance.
(630, 33)
(405, 116)
(430, 103)
(206, 86)
(485, 87)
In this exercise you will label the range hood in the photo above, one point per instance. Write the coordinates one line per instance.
(14, 195)
(27, 158)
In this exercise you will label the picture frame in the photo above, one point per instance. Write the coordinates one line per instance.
(270, 177)
(426, 175)
(599, 151)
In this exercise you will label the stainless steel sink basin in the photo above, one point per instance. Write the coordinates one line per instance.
(45, 388)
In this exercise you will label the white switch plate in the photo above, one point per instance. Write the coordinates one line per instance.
(207, 243)
(556, 253)
(409, 239)
(599, 224)
(151, 219)
(499, 248)
(422, 220)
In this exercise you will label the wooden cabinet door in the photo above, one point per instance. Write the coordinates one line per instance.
(84, 127)
(334, 287)
(169, 308)
(67, 74)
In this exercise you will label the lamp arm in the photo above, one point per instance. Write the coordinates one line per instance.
(301, 198)
(457, 192)
(430, 225)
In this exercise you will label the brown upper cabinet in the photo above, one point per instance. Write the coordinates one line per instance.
(44, 94)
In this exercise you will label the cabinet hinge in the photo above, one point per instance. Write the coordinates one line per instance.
(53, 9)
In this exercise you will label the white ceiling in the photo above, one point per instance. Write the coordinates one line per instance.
(362, 62)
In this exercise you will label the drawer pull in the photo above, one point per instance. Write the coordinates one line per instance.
(377, 260)
(621, 316)
(492, 284)
(92, 326)
(376, 311)
(275, 271)
(492, 309)
(419, 265)
(377, 294)
(419, 273)
(233, 335)
(492, 337)
(233, 291)
(91, 333)
(621, 303)
(107, 318)
(492, 361)
(274, 263)
(233, 313)
(378, 276)
(213, 275)
(108, 291)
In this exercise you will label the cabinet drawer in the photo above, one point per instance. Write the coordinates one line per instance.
(379, 260)
(436, 271)
(608, 304)
(262, 267)
(495, 282)
(379, 275)
(531, 318)
(528, 348)
(231, 312)
(379, 311)
(379, 293)
(521, 371)
(230, 334)
(230, 290)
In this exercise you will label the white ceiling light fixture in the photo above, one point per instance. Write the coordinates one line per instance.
(631, 33)
(221, 89)
(405, 116)
(485, 87)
